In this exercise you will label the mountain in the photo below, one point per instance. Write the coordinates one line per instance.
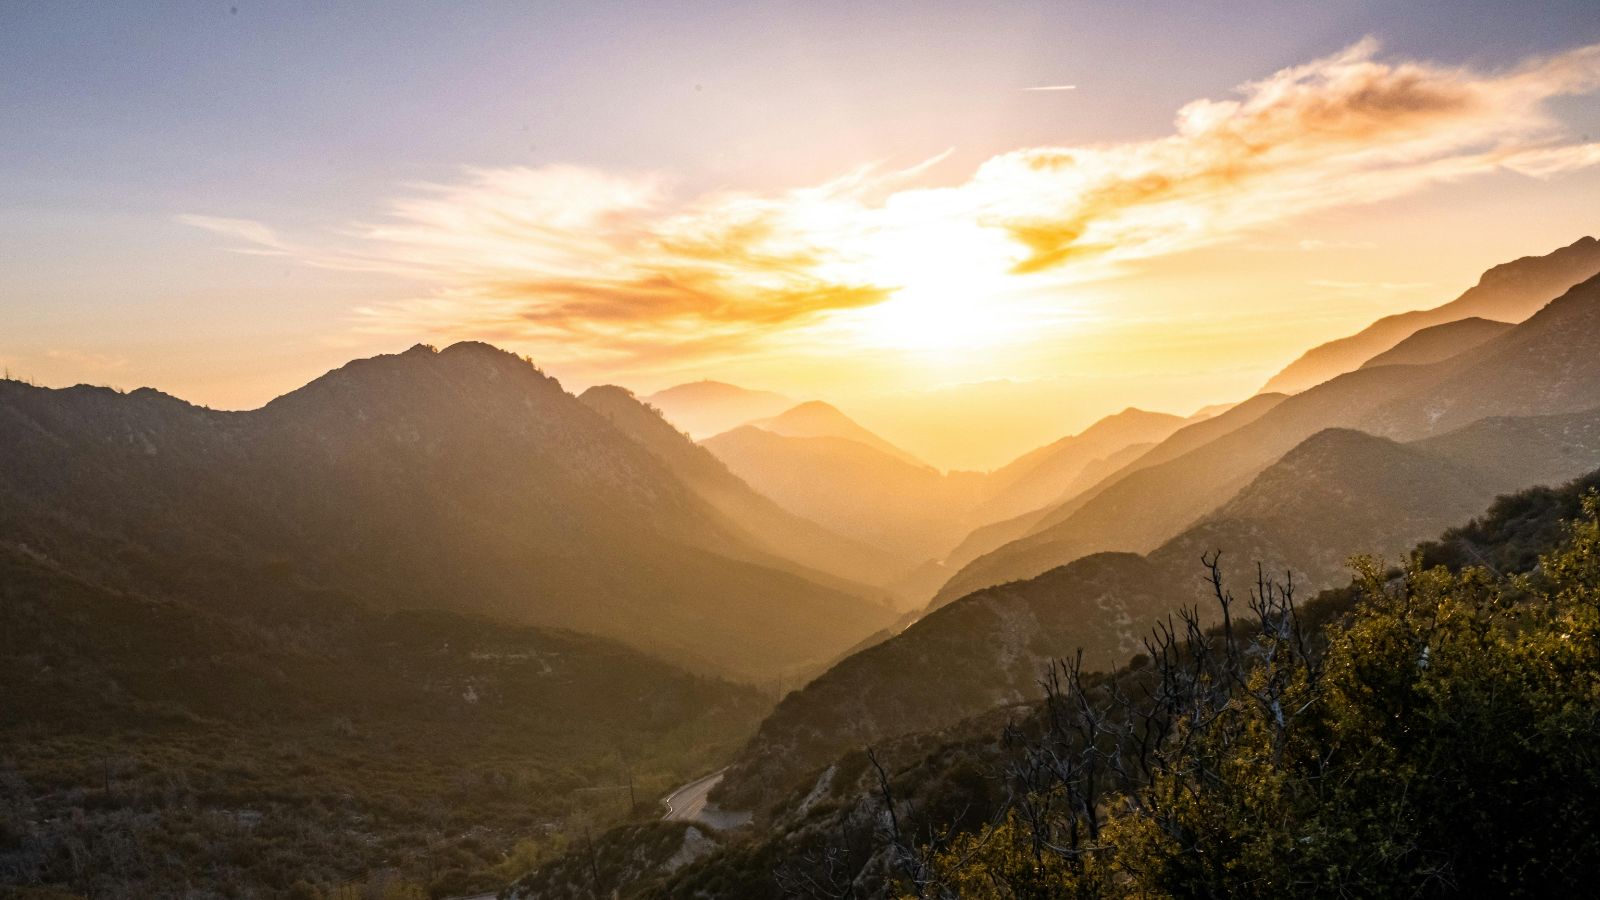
(460, 479)
(1157, 494)
(908, 510)
(228, 724)
(1338, 493)
(1547, 364)
(1509, 292)
(1543, 366)
(779, 533)
(818, 419)
(705, 408)
(1041, 477)
(1439, 342)
(973, 783)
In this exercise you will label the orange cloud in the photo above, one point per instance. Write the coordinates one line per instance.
(599, 265)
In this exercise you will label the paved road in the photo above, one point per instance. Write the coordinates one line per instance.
(690, 804)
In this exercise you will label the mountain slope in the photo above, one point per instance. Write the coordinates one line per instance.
(1509, 292)
(1439, 342)
(817, 419)
(1545, 365)
(294, 734)
(911, 511)
(1338, 493)
(705, 408)
(459, 479)
(1040, 477)
(778, 532)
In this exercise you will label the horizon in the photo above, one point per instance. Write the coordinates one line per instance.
(1129, 230)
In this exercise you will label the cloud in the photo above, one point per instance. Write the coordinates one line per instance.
(602, 265)
(1053, 87)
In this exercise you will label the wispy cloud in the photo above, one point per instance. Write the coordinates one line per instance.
(1052, 87)
(597, 264)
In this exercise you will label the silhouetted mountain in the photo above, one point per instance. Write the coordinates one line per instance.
(1154, 496)
(1509, 292)
(779, 533)
(1338, 493)
(1041, 477)
(990, 537)
(705, 408)
(1547, 364)
(1542, 366)
(1439, 342)
(460, 479)
(817, 419)
(909, 510)
(961, 779)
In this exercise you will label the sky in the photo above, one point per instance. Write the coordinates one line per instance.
(973, 226)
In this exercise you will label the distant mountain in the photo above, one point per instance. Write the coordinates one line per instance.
(1155, 495)
(1041, 477)
(1547, 364)
(1339, 492)
(1543, 366)
(459, 479)
(817, 419)
(705, 408)
(1509, 292)
(779, 533)
(906, 509)
(1439, 342)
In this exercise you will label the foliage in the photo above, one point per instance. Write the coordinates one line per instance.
(1446, 739)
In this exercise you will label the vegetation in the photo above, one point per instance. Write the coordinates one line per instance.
(155, 749)
(1427, 730)
(1445, 739)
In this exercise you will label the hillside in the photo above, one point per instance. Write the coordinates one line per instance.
(817, 419)
(908, 510)
(267, 732)
(1509, 292)
(458, 479)
(705, 408)
(1540, 367)
(1043, 476)
(779, 533)
(1336, 494)
(1545, 365)
(1439, 342)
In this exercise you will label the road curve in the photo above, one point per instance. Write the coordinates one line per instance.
(690, 803)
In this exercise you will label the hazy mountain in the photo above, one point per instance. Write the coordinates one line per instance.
(460, 479)
(780, 533)
(1338, 493)
(1157, 494)
(1542, 366)
(909, 510)
(1042, 476)
(1547, 364)
(1439, 342)
(997, 534)
(818, 419)
(705, 408)
(961, 778)
(1509, 292)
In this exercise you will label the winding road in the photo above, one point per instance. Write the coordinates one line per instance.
(691, 803)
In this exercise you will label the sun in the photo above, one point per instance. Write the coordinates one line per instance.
(950, 287)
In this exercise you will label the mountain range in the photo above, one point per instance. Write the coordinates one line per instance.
(1509, 292)
(459, 479)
